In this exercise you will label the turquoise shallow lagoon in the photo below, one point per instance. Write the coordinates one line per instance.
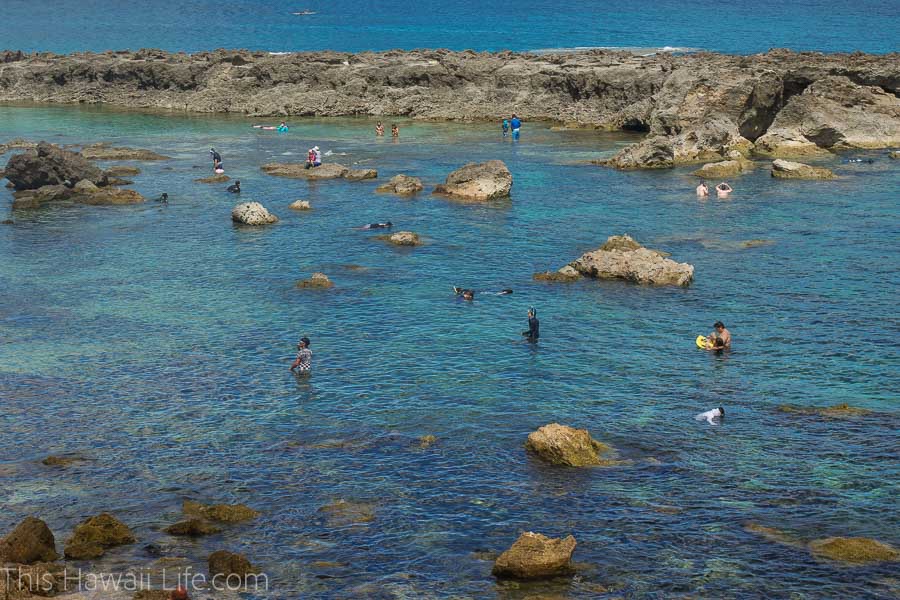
(156, 343)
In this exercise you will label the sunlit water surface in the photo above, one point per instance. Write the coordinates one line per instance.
(156, 342)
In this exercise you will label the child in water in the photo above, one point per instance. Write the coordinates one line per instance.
(505, 127)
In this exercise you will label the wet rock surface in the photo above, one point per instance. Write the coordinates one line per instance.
(621, 257)
(223, 513)
(104, 151)
(30, 542)
(535, 556)
(95, 535)
(316, 281)
(785, 169)
(402, 185)
(567, 446)
(252, 213)
(402, 238)
(223, 562)
(478, 182)
(47, 164)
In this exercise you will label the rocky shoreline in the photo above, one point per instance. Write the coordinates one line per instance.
(694, 108)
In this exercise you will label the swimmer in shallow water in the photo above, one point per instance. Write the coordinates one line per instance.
(386, 225)
(702, 190)
(234, 188)
(164, 198)
(708, 416)
(723, 190)
(465, 294)
(534, 327)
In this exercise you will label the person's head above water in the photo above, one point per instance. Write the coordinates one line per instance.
(718, 325)
(468, 295)
(532, 312)
(304, 341)
(718, 343)
(212, 150)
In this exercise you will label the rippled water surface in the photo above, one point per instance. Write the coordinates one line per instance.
(358, 25)
(156, 342)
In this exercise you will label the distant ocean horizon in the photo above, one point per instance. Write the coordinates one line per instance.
(67, 26)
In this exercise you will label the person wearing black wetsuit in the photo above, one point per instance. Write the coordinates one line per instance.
(235, 188)
(534, 326)
(217, 159)
(387, 225)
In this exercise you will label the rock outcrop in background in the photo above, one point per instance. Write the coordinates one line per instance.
(694, 108)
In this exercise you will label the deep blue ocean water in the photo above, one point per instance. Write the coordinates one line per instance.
(356, 25)
(156, 343)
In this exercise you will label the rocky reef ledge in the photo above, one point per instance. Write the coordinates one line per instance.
(693, 107)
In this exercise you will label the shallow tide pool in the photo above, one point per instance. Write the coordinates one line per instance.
(155, 342)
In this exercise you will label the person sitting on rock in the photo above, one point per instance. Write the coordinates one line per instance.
(534, 326)
(386, 225)
(723, 189)
(235, 188)
(702, 190)
(721, 335)
(304, 356)
(313, 157)
(465, 294)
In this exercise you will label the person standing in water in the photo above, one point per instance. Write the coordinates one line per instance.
(234, 188)
(217, 160)
(723, 190)
(379, 129)
(720, 338)
(395, 131)
(534, 326)
(702, 190)
(303, 362)
(515, 124)
(283, 128)
(505, 127)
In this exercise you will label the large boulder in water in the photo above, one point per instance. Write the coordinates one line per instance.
(536, 556)
(104, 151)
(833, 113)
(724, 168)
(92, 537)
(563, 445)
(223, 513)
(252, 213)
(402, 238)
(30, 542)
(621, 257)
(360, 174)
(785, 169)
(50, 165)
(478, 181)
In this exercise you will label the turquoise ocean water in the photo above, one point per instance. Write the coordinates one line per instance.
(156, 343)
(357, 25)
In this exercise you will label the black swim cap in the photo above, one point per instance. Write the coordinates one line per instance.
(305, 341)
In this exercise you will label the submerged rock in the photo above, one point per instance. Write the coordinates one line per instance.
(252, 213)
(478, 182)
(300, 205)
(426, 441)
(224, 513)
(192, 528)
(621, 257)
(122, 171)
(93, 536)
(103, 151)
(299, 170)
(838, 411)
(360, 174)
(402, 185)
(343, 512)
(857, 550)
(401, 238)
(565, 275)
(30, 542)
(535, 556)
(785, 169)
(220, 178)
(47, 164)
(317, 281)
(563, 445)
(61, 461)
(225, 563)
